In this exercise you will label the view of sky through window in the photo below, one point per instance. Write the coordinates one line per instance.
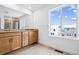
(69, 16)
(63, 18)
(55, 17)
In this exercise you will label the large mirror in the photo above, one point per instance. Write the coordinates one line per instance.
(10, 18)
(15, 24)
(11, 23)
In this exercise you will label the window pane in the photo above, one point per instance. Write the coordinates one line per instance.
(69, 20)
(55, 16)
(55, 22)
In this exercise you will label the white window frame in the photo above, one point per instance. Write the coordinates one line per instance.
(59, 8)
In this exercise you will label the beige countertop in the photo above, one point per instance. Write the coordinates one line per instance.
(20, 30)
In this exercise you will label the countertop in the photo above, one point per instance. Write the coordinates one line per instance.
(20, 30)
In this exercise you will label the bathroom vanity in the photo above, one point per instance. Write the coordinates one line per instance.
(12, 40)
(29, 37)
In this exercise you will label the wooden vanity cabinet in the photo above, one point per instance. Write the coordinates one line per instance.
(29, 37)
(9, 42)
(16, 42)
(24, 38)
(5, 45)
(33, 36)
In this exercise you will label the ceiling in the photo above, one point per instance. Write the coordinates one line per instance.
(12, 10)
(18, 10)
(33, 7)
(4, 11)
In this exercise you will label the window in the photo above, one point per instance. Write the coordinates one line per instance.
(63, 21)
(55, 22)
(69, 20)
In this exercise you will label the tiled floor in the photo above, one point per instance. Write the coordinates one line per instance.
(36, 49)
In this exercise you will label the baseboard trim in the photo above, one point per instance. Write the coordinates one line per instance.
(57, 50)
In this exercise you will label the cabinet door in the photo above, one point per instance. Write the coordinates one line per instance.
(16, 43)
(4, 45)
(24, 38)
(33, 36)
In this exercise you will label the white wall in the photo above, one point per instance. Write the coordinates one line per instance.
(41, 21)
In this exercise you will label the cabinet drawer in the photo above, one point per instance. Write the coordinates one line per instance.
(25, 43)
(5, 34)
(24, 38)
(25, 35)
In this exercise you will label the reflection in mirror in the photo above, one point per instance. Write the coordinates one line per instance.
(7, 23)
(15, 23)
(11, 23)
(8, 17)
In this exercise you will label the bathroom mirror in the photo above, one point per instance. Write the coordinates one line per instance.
(7, 23)
(9, 18)
(15, 23)
(11, 23)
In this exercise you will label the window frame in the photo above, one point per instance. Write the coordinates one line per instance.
(59, 8)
